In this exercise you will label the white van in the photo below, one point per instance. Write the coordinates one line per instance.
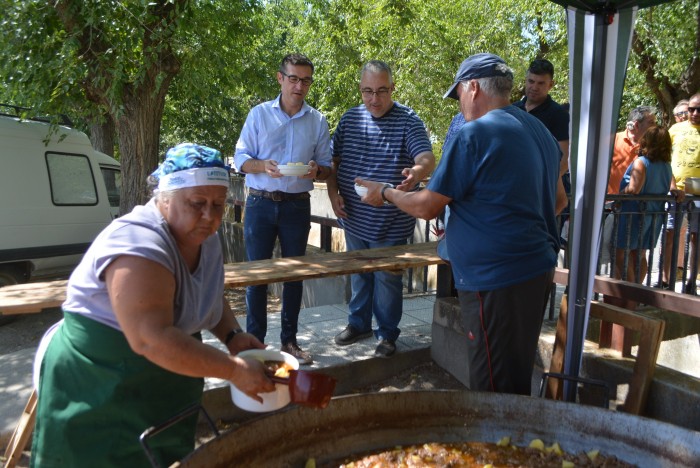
(56, 194)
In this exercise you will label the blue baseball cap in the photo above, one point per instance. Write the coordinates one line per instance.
(482, 65)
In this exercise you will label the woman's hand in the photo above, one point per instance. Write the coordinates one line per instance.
(242, 341)
(679, 194)
(249, 377)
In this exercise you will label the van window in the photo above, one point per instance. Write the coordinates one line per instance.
(113, 182)
(71, 179)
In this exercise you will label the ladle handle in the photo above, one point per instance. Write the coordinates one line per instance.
(282, 380)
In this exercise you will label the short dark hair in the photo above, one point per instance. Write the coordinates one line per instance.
(295, 59)
(541, 67)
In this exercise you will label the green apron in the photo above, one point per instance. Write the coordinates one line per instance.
(96, 396)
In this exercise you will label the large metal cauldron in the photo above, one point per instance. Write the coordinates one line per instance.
(358, 423)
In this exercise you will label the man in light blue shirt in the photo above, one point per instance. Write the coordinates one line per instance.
(283, 131)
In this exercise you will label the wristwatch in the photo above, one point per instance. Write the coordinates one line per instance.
(231, 334)
(386, 186)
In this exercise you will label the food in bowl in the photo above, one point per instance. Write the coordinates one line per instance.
(278, 368)
(279, 398)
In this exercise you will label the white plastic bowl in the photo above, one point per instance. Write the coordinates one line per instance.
(294, 169)
(360, 190)
(692, 185)
(273, 400)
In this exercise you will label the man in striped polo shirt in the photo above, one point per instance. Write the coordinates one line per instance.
(383, 141)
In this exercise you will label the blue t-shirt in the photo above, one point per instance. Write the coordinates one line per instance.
(501, 172)
(457, 122)
(377, 149)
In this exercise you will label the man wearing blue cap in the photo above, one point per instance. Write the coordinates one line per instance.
(500, 177)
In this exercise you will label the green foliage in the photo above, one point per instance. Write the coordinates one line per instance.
(228, 52)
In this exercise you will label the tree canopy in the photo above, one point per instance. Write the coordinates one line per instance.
(167, 71)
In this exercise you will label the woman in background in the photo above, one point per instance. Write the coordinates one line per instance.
(649, 174)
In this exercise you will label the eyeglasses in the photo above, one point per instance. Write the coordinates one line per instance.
(381, 92)
(693, 109)
(681, 114)
(295, 79)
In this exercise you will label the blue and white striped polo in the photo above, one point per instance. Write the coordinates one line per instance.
(377, 149)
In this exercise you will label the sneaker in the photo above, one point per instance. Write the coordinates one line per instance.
(350, 335)
(662, 285)
(302, 356)
(385, 349)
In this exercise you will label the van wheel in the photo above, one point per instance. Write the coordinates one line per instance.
(8, 277)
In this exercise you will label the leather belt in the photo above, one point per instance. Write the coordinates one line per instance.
(279, 196)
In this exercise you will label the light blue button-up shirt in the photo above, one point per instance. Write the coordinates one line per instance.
(269, 133)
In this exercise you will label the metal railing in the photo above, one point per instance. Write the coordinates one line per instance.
(648, 216)
(326, 226)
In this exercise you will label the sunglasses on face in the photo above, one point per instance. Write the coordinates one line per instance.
(693, 109)
(681, 114)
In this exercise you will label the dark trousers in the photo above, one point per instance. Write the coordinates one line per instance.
(265, 222)
(503, 328)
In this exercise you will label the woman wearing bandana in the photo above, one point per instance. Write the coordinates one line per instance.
(128, 354)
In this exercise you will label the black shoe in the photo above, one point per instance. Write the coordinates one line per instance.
(662, 285)
(350, 335)
(385, 349)
(691, 288)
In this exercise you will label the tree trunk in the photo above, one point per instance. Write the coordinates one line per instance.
(102, 136)
(139, 135)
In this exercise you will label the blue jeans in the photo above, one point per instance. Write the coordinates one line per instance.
(379, 294)
(266, 221)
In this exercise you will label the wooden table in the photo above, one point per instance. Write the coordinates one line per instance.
(33, 297)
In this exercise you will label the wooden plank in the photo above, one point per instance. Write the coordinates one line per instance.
(23, 431)
(326, 265)
(661, 298)
(33, 297)
(651, 332)
(30, 298)
(555, 387)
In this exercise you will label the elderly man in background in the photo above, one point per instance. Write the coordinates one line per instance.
(385, 141)
(537, 101)
(685, 162)
(680, 112)
(282, 131)
(500, 177)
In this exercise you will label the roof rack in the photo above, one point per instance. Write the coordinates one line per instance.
(10, 110)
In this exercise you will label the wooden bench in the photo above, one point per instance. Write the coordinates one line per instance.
(650, 331)
(33, 297)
